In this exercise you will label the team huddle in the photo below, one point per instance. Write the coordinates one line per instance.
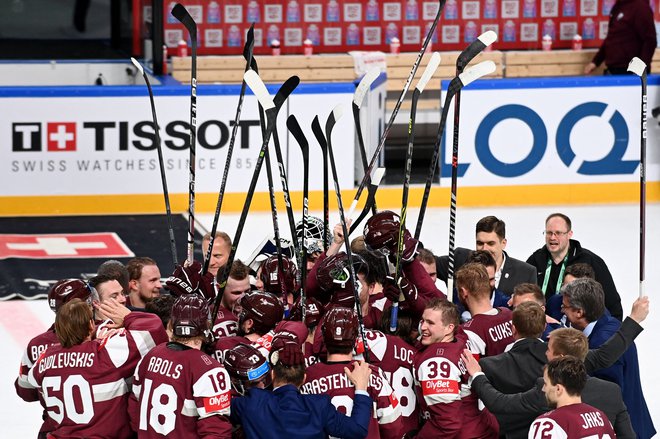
(518, 349)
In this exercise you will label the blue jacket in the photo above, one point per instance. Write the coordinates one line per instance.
(285, 413)
(625, 372)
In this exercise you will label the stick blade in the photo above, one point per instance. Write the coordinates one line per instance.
(475, 72)
(137, 65)
(259, 89)
(181, 13)
(365, 85)
(295, 129)
(378, 176)
(430, 69)
(637, 66)
(488, 38)
(337, 112)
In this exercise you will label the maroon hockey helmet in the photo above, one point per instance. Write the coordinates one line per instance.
(340, 328)
(247, 368)
(67, 289)
(313, 311)
(190, 316)
(333, 272)
(270, 275)
(382, 231)
(264, 309)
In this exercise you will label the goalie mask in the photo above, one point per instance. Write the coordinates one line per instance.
(67, 289)
(190, 316)
(313, 234)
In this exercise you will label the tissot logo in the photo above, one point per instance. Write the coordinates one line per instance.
(124, 136)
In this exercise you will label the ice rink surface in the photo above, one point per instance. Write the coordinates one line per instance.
(611, 231)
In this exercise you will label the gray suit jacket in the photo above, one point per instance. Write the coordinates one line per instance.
(514, 271)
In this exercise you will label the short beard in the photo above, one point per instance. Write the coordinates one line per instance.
(551, 404)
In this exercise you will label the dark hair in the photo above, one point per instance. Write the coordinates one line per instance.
(376, 267)
(529, 320)
(162, 307)
(426, 256)
(580, 270)
(490, 224)
(474, 278)
(405, 324)
(566, 219)
(289, 374)
(586, 294)
(117, 271)
(100, 279)
(72, 323)
(529, 288)
(568, 371)
(482, 257)
(569, 341)
(239, 270)
(449, 310)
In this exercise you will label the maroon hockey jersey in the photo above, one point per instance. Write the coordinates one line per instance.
(24, 389)
(572, 421)
(226, 323)
(330, 379)
(448, 407)
(85, 387)
(489, 334)
(181, 393)
(395, 358)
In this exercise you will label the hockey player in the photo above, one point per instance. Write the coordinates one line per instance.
(448, 407)
(563, 381)
(270, 280)
(60, 293)
(144, 282)
(247, 368)
(238, 284)
(489, 331)
(178, 390)
(314, 232)
(84, 380)
(340, 332)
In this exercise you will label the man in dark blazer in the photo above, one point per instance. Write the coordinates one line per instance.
(491, 236)
(523, 408)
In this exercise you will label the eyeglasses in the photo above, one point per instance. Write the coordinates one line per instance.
(557, 234)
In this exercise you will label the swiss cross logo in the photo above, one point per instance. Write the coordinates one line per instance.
(440, 387)
(61, 136)
(61, 246)
(217, 403)
(25, 136)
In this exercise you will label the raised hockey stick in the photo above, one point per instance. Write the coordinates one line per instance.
(484, 40)
(320, 138)
(456, 84)
(431, 67)
(296, 131)
(161, 163)
(259, 89)
(395, 111)
(181, 13)
(371, 198)
(247, 53)
(358, 99)
(329, 125)
(638, 67)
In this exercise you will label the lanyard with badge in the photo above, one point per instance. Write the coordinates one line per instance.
(548, 269)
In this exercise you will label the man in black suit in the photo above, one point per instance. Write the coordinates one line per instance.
(523, 408)
(491, 236)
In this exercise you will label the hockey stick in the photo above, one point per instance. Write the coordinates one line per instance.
(460, 81)
(181, 13)
(259, 89)
(166, 194)
(395, 111)
(320, 137)
(431, 67)
(296, 131)
(247, 52)
(329, 125)
(638, 67)
(371, 198)
(484, 40)
(358, 99)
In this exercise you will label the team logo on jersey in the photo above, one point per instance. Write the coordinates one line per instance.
(63, 246)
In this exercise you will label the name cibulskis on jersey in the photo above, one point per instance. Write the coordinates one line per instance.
(124, 137)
